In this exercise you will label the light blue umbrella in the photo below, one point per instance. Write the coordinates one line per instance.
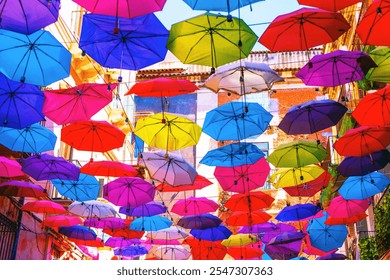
(219, 5)
(151, 223)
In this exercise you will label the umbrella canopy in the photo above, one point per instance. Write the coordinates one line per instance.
(77, 103)
(129, 191)
(78, 232)
(312, 116)
(363, 140)
(97, 136)
(38, 58)
(245, 252)
(168, 131)
(325, 237)
(85, 188)
(287, 237)
(44, 206)
(297, 154)
(205, 250)
(109, 169)
(244, 178)
(212, 234)
(48, 167)
(124, 233)
(219, 5)
(33, 139)
(148, 209)
(92, 208)
(172, 252)
(152, 223)
(194, 206)
(310, 188)
(334, 256)
(250, 201)
(135, 43)
(283, 251)
(303, 29)
(234, 154)
(200, 182)
(93, 243)
(28, 16)
(201, 221)
(374, 108)
(344, 208)
(345, 220)
(258, 228)
(239, 240)
(333, 5)
(121, 242)
(373, 23)
(243, 78)
(20, 103)
(359, 166)
(131, 251)
(335, 68)
(172, 169)
(110, 223)
(297, 212)
(236, 121)
(292, 177)
(21, 189)
(211, 40)
(170, 233)
(363, 187)
(277, 229)
(381, 56)
(10, 168)
(244, 218)
(62, 220)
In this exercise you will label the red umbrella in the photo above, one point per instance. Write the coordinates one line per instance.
(243, 218)
(90, 243)
(199, 183)
(78, 103)
(124, 232)
(310, 188)
(329, 5)
(245, 252)
(95, 136)
(21, 189)
(44, 206)
(363, 140)
(205, 249)
(109, 168)
(10, 168)
(345, 221)
(194, 206)
(374, 24)
(62, 220)
(252, 201)
(303, 29)
(343, 208)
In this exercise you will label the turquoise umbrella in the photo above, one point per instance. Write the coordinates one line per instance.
(152, 223)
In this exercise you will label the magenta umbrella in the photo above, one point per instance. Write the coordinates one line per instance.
(10, 168)
(344, 208)
(129, 191)
(194, 206)
(244, 178)
(21, 189)
(105, 223)
(114, 242)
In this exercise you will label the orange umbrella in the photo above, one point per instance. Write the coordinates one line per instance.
(252, 201)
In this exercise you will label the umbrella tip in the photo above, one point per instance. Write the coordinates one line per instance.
(116, 30)
(212, 70)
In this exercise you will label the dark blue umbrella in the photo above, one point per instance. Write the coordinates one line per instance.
(235, 154)
(48, 167)
(287, 237)
(236, 121)
(135, 44)
(358, 166)
(212, 234)
(152, 223)
(78, 232)
(38, 58)
(85, 188)
(146, 210)
(297, 212)
(219, 5)
(362, 187)
(131, 251)
(20, 103)
(33, 139)
(333, 256)
(202, 221)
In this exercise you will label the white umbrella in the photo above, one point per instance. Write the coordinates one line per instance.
(92, 209)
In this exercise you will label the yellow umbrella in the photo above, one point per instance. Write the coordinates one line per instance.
(289, 177)
(168, 131)
(239, 240)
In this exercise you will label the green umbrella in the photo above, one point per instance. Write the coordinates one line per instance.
(297, 154)
(211, 40)
(381, 73)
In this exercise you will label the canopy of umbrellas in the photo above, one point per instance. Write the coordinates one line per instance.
(132, 38)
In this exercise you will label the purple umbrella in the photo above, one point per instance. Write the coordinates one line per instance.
(131, 251)
(78, 232)
(148, 209)
(287, 237)
(336, 68)
(333, 256)
(283, 251)
(105, 223)
(279, 228)
(312, 116)
(129, 191)
(202, 221)
(258, 228)
(359, 166)
(121, 242)
(48, 167)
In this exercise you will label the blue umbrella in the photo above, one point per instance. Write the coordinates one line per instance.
(78, 232)
(85, 188)
(131, 251)
(152, 223)
(235, 154)
(148, 209)
(33, 139)
(297, 212)
(134, 44)
(333, 256)
(20, 103)
(38, 58)
(362, 187)
(236, 121)
(202, 221)
(326, 237)
(219, 5)
(212, 234)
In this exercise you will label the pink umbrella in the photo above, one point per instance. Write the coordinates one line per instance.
(44, 206)
(21, 189)
(10, 168)
(342, 208)
(62, 220)
(194, 206)
(244, 178)
(105, 223)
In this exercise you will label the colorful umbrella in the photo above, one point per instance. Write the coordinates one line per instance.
(20, 103)
(334, 256)
(199, 183)
(129, 191)
(85, 188)
(277, 229)
(148, 209)
(344, 208)
(168, 131)
(244, 178)
(10, 168)
(134, 44)
(312, 116)
(131, 251)
(245, 253)
(363, 140)
(44, 206)
(170, 233)
(234, 154)
(239, 240)
(245, 218)
(243, 78)
(62, 220)
(297, 154)
(152, 223)
(92, 208)
(109, 169)
(303, 29)
(381, 56)
(28, 16)
(335, 68)
(34, 139)
(219, 5)
(97, 136)
(258, 228)
(283, 251)
(121, 242)
(250, 201)
(297, 212)
(78, 232)
(363, 187)
(211, 40)
(21, 189)
(212, 234)
(37, 59)
(77, 103)
(201, 221)
(346, 220)
(93, 243)
(374, 108)
(194, 206)
(205, 250)
(48, 167)
(310, 188)
(333, 5)
(236, 121)
(110, 223)
(172, 169)
(172, 252)
(287, 237)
